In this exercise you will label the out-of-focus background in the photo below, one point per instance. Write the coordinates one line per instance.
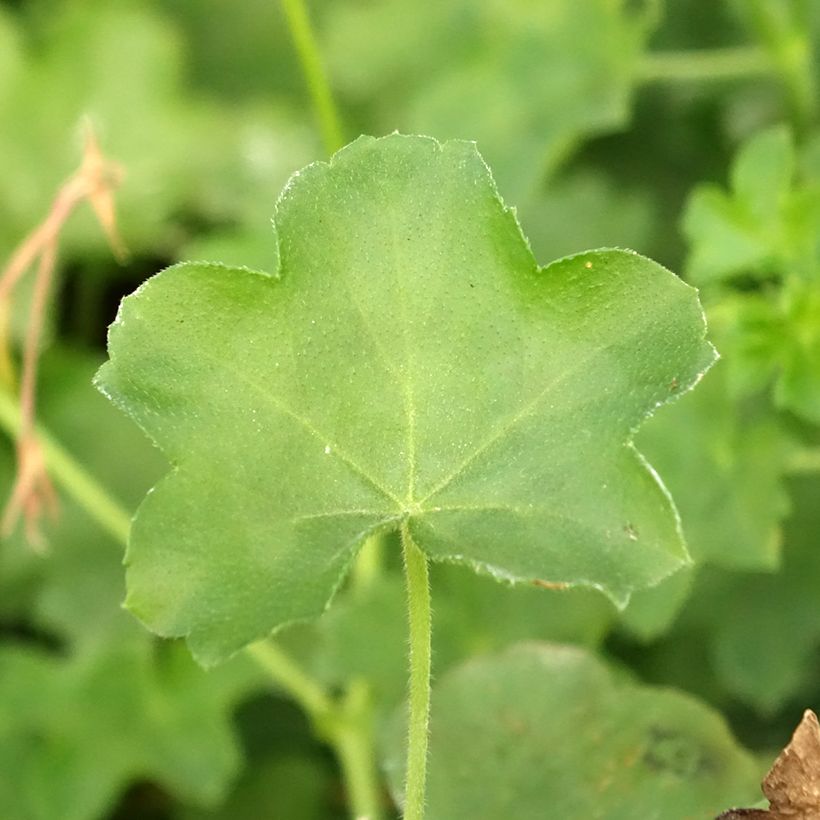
(686, 130)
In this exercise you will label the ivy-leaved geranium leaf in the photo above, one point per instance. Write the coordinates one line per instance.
(544, 730)
(408, 362)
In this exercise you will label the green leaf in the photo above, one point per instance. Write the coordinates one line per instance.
(527, 80)
(475, 615)
(751, 636)
(772, 340)
(798, 387)
(79, 585)
(408, 361)
(766, 224)
(541, 78)
(765, 230)
(74, 732)
(113, 705)
(293, 787)
(653, 611)
(544, 730)
(724, 462)
(765, 646)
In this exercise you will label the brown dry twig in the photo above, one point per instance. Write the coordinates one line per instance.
(94, 181)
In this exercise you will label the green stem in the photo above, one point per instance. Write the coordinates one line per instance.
(293, 679)
(368, 565)
(71, 476)
(700, 66)
(354, 738)
(353, 742)
(787, 39)
(418, 608)
(346, 724)
(308, 50)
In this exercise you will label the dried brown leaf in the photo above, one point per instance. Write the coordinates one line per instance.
(792, 785)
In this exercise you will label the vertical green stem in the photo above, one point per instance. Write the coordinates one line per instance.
(783, 29)
(305, 41)
(356, 752)
(346, 724)
(298, 684)
(418, 607)
(368, 565)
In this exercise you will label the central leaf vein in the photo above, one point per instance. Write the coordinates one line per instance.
(408, 387)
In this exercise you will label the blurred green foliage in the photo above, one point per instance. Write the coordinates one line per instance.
(686, 130)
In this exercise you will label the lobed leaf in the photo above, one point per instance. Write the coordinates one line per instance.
(408, 362)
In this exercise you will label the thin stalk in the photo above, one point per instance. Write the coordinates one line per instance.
(346, 724)
(419, 617)
(786, 35)
(353, 742)
(293, 679)
(70, 474)
(368, 564)
(705, 65)
(304, 40)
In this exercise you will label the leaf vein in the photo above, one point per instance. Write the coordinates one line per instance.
(507, 427)
(335, 450)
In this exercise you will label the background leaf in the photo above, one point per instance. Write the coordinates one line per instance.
(92, 702)
(547, 729)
